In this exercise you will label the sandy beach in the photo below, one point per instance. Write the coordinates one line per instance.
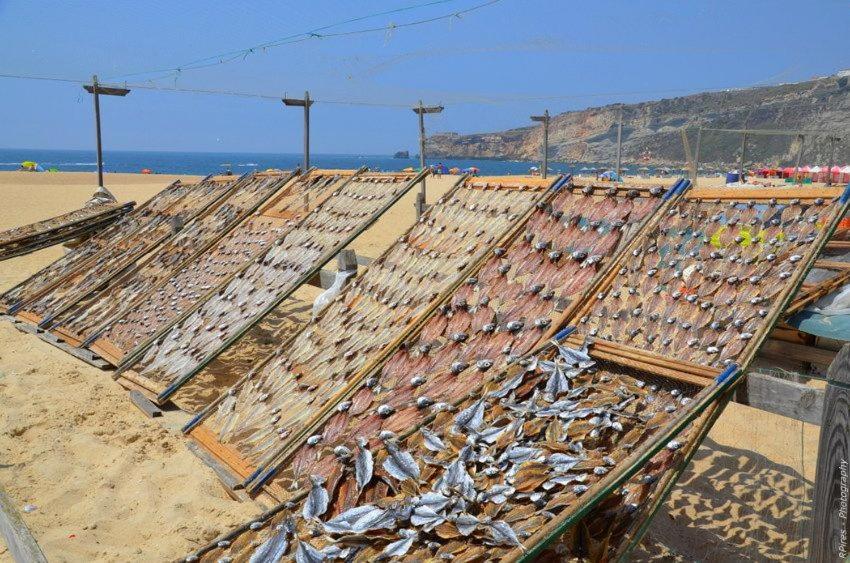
(109, 484)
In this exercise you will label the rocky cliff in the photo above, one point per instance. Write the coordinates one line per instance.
(652, 130)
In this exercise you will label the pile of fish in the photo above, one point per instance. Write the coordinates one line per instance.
(28, 238)
(504, 310)
(281, 395)
(90, 313)
(313, 241)
(477, 479)
(700, 285)
(85, 252)
(112, 260)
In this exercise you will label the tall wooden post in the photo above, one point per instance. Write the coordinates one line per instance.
(831, 161)
(96, 97)
(545, 120)
(799, 158)
(95, 89)
(421, 110)
(830, 530)
(305, 103)
(696, 156)
(619, 143)
(743, 158)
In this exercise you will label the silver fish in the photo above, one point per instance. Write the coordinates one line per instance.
(317, 500)
(400, 464)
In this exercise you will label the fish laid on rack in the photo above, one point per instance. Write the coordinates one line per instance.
(281, 324)
(83, 254)
(701, 283)
(571, 449)
(90, 313)
(479, 477)
(162, 305)
(290, 387)
(272, 277)
(500, 313)
(93, 217)
(112, 261)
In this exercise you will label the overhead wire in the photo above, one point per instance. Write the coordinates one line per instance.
(316, 33)
(467, 100)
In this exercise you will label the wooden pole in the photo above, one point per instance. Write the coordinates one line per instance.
(307, 131)
(20, 542)
(619, 143)
(696, 157)
(422, 147)
(97, 131)
(799, 159)
(831, 161)
(545, 120)
(545, 143)
(743, 158)
(830, 529)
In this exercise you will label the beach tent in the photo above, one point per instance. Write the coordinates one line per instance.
(835, 172)
(29, 165)
(471, 170)
(611, 175)
(845, 173)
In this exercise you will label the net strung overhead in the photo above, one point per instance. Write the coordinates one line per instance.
(270, 279)
(198, 279)
(84, 254)
(304, 375)
(113, 259)
(80, 222)
(205, 230)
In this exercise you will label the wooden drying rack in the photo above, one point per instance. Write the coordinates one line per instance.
(227, 455)
(710, 402)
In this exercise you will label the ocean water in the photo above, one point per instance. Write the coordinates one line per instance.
(203, 163)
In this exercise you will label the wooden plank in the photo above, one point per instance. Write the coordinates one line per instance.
(831, 529)
(838, 245)
(785, 350)
(19, 540)
(832, 264)
(784, 397)
(144, 405)
(230, 458)
(744, 194)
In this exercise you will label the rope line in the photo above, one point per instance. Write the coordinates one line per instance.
(230, 56)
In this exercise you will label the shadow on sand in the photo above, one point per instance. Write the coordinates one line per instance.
(732, 504)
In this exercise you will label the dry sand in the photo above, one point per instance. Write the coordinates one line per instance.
(111, 484)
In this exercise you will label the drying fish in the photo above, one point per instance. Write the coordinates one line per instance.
(317, 501)
(400, 464)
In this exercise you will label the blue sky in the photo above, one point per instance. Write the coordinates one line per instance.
(484, 67)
